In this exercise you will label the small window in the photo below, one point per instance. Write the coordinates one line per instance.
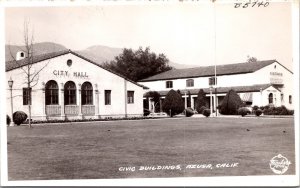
(274, 66)
(169, 84)
(130, 97)
(271, 98)
(26, 96)
(282, 97)
(22, 54)
(69, 62)
(107, 97)
(290, 99)
(190, 83)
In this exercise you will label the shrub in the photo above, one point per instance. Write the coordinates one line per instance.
(230, 103)
(201, 101)
(271, 110)
(8, 120)
(243, 111)
(258, 112)
(206, 112)
(291, 112)
(19, 117)
(173, 103)
(201, 109)
(189, 112)
(254, 108)
(146, 112)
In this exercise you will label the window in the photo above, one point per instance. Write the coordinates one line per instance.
(22, 54)
(271, 98)
(190, 83)
(69, 62)
(70, 93)
(282, 97)
(107, 97)
(26, 96)
(86, 93)
(130, 97)
(51, 93)
(169, 84)
(290, 99)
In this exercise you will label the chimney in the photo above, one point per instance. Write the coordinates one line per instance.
(20, 55)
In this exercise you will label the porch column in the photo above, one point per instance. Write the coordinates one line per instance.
(185, 100)
(96, 102)
(44, 102)
(79, 101)
(62, 102)
(149, 104)
(192, 102)
(160, 105)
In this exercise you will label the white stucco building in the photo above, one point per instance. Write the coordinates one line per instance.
(71, 86)
(258, 83)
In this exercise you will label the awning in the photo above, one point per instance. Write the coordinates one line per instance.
(246, 97)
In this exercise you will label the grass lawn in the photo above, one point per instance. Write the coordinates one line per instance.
(97, 150)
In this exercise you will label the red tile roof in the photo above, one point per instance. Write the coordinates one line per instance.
(239, 89)
(11, 65)
(238, 68)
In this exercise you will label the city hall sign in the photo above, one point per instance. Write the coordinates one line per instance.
(62, 73)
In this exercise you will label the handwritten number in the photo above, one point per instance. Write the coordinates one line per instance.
(237, 5)
(266, 4)
(254, 3)
(245, 5)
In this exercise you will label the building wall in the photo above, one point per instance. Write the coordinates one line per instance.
(57, 69)
(262, 76)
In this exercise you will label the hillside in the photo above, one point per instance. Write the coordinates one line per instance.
(97, 53)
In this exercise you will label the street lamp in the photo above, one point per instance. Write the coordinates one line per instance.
(210, 91)
(10, 84)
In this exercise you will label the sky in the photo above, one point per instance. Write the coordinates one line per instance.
(187, 33)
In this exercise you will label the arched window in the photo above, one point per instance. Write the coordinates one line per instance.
(70, 93)
(190, 83)
(271, 98)
(87, 93)
(51, 93)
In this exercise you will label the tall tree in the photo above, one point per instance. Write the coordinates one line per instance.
(173, 103)
(139, 64)
(251, 59)
(31, 73)
(230, 103)
(201, 101)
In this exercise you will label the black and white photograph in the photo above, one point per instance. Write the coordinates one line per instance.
(179, 93)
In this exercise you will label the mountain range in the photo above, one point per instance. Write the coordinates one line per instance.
(97, 53)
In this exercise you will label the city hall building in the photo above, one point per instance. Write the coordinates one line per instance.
(66, 85)
(257, 83)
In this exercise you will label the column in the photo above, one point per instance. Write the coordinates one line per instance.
(192, 102)
(62, 102)
(185, 101)
(149, 104)
(160, 105)
(44, 116)
(79, 102)
(96, 102)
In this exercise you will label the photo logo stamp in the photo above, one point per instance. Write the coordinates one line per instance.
(279, 164)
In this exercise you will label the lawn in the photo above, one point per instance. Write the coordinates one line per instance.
(99, 150)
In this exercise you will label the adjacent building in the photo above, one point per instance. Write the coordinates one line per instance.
(66, 85)
(258, 83)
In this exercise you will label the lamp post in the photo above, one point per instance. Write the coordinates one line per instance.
(210, 91)
(10, 84)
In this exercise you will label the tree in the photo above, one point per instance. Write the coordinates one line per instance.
(31, 74)
(173, 103)
(155, 96)
(201, 101)
(251, 59)
(140, 64)
(230, 103)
